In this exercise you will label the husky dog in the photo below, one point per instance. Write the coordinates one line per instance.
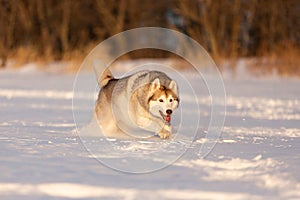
(144, 100)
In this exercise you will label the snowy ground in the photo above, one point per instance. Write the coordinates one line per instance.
(256, 157)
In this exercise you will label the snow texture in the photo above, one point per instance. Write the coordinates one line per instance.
(42, 156)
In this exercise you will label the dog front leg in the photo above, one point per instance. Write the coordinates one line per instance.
(165, 132)
(155, 125)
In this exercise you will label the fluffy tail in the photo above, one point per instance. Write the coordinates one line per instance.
(105, 77)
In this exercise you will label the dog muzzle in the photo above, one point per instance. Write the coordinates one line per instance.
(165, 117)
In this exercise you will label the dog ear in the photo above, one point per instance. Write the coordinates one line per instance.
(173, 87)
(155, 84)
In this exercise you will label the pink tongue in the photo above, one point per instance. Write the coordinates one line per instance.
(168, 118)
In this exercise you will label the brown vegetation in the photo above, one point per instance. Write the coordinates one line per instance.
(40, 30)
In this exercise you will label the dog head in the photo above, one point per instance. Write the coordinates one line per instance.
(163, 99)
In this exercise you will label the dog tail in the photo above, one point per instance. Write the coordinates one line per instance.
(106, 76)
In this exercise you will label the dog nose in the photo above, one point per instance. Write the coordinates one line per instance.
(169, 111)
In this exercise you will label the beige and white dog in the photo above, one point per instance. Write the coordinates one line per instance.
(144, 100)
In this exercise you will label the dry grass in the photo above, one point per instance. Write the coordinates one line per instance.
(285, 62)
(25, 55)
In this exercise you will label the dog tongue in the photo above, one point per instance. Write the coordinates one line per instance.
(168, 118)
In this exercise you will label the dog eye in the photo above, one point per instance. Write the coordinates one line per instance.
(171, 100)
(161, 100)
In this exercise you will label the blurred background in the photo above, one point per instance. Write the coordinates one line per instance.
(265, 34)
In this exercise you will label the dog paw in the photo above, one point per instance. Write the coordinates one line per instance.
(165, 132)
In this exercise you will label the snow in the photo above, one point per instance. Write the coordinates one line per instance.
(44, 157)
